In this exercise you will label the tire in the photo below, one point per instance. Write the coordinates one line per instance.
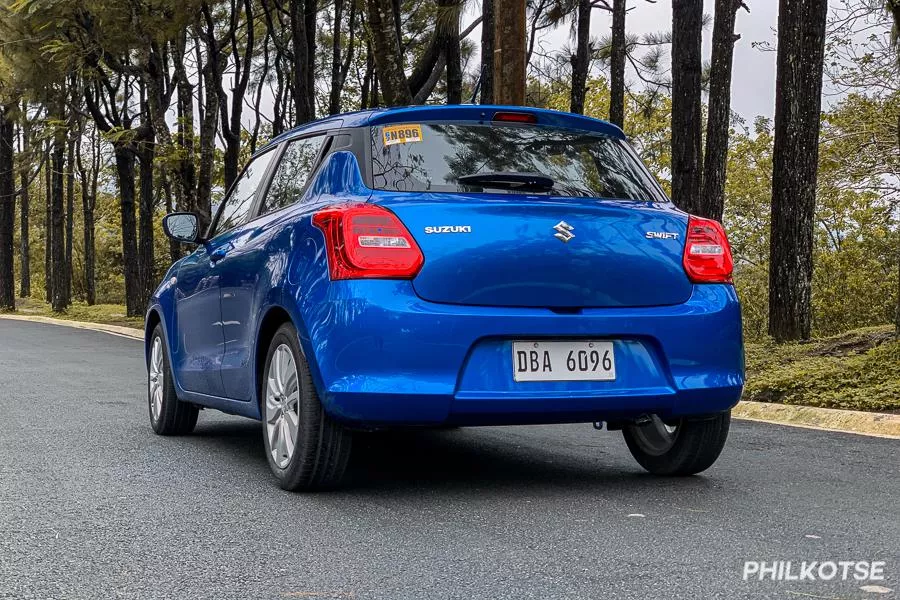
(290, 407)
(690, 446)
(168, 414)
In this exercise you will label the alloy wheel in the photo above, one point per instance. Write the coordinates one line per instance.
(156, 378)
(282, 405)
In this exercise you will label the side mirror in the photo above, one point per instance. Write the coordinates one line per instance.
(182, 227)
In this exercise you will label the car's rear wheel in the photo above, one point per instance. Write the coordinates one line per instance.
(168, 414)
(306, 449)
(684, 447)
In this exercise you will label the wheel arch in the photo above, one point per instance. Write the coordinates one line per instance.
(274, 317)
(152, 319)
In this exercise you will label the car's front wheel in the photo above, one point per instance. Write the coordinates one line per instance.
(306, 449)
(684, 447)
(168, 414)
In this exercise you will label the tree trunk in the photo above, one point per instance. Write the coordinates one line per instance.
(897, 308)
(368, 75)
(125, 174)
(687, 31)
(145, 223)
(257, 96)
(487, 52)
(387, 54)
(617, 65)
(310, 16)
(231, 156)
(7, 210)
(334, 93)
(232, 127)
(70, 209)
(302, 38)
(278, 116)
(798, 102)
(186, 181)
(208, 126)
(340, 61)
(581, 62)
(59, 301)
(88, 201)
(48, 226)
(452, 53)
(719, 119)
(24, 241)
(25, 178)
(509, 52)
(174, 246)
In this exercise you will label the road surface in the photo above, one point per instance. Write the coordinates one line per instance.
(93, 505)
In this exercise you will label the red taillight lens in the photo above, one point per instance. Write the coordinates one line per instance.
(707, 255)
(515, 117)
(365, 241)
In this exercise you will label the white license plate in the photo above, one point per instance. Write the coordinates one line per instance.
(563, 361)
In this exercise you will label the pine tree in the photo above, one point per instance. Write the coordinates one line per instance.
(719, 119)
(798, 102)
(687, 31)
(7, 208)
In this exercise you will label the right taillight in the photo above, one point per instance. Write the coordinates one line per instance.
(366, 241)
(707, 255)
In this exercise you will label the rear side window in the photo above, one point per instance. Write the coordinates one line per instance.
(293, 172)
(432, 157)
(235, 208)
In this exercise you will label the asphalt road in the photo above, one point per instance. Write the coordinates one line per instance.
(93, 505)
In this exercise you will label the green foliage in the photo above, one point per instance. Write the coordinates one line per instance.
(857, 370)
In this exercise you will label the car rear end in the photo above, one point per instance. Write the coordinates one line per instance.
(517, 266)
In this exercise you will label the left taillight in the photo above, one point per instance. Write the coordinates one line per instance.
(707, 254)
(366, 241)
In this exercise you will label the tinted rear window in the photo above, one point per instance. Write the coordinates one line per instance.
(431, 157)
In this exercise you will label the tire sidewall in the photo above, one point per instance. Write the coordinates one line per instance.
(175, 417)
(696, 447)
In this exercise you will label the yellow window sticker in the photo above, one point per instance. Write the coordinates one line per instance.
(401, 134)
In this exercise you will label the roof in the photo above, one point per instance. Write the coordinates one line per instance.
(441, 112)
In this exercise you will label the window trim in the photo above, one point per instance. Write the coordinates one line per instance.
(211, 230)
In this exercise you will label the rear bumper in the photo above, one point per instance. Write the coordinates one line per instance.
(383, 356)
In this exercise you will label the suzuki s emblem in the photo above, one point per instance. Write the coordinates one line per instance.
(564, 232)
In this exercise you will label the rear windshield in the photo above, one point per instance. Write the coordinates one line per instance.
(431, 158)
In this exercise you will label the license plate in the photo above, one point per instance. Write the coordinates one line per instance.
(563, 361)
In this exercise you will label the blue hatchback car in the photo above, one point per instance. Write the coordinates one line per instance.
(448, 266)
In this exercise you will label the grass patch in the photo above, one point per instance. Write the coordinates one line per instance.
(857, 370)
(108, 314)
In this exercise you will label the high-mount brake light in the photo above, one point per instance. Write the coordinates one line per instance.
(707, 254)
(365, 241)
(515, 117)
